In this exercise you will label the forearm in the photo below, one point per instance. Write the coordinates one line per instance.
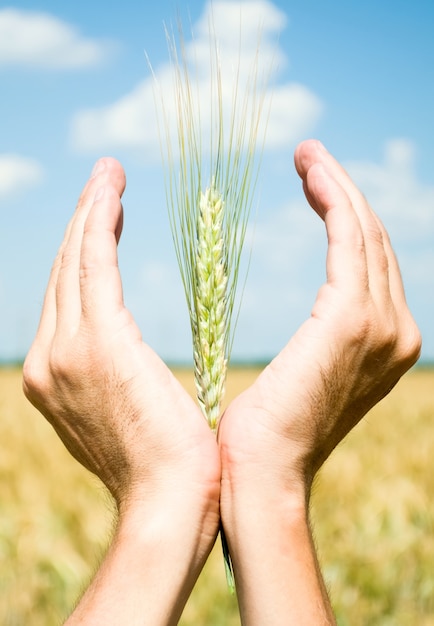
(150, 568)
(277, 576)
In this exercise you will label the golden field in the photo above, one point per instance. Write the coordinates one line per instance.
(373, 515)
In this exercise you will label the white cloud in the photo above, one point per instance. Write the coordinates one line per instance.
(240, 28)
(131, 122)
(257, 16)
(294, 111)
(128, 123)
(403, 202)
(17, 172)
(36, 39)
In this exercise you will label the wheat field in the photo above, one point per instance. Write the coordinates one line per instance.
(372, 511)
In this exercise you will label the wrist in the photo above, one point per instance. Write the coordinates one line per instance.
(158, 549)
(265, 515)
(271, 548)
(180, 514)
(261, 506)
(176, 490)
(263, 475)
(259, 454)
(180, 519)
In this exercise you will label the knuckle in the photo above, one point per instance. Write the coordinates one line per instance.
(68, 257)
(34, 377)
(401, 340)
(45, 369)
(411, 343)
(63, 363)
(376, 332)
(389, 334)
(58, 365)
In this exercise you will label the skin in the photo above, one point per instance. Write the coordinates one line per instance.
(118, 409)
(358, 342)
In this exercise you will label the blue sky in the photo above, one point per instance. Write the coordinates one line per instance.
(75, 85)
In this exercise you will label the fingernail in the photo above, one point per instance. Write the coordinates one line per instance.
(98, 168)
(321, 147)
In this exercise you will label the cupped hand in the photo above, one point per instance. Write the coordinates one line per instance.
(113, 402)
(357, 343)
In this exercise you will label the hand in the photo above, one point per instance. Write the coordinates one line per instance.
(274, 437)
(358, 342)
(120, 411)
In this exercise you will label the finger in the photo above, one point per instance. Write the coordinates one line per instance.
(48, 319)
(68, 297)
(346, 256)
(100, 281)
(377, 251)
(394, 273)
(384, 273)
(47, 322)
(312, 151)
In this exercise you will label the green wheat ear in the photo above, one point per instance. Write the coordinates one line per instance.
(210, 178)
(209, 319)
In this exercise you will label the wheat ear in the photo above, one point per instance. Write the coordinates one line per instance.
(209, 321)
